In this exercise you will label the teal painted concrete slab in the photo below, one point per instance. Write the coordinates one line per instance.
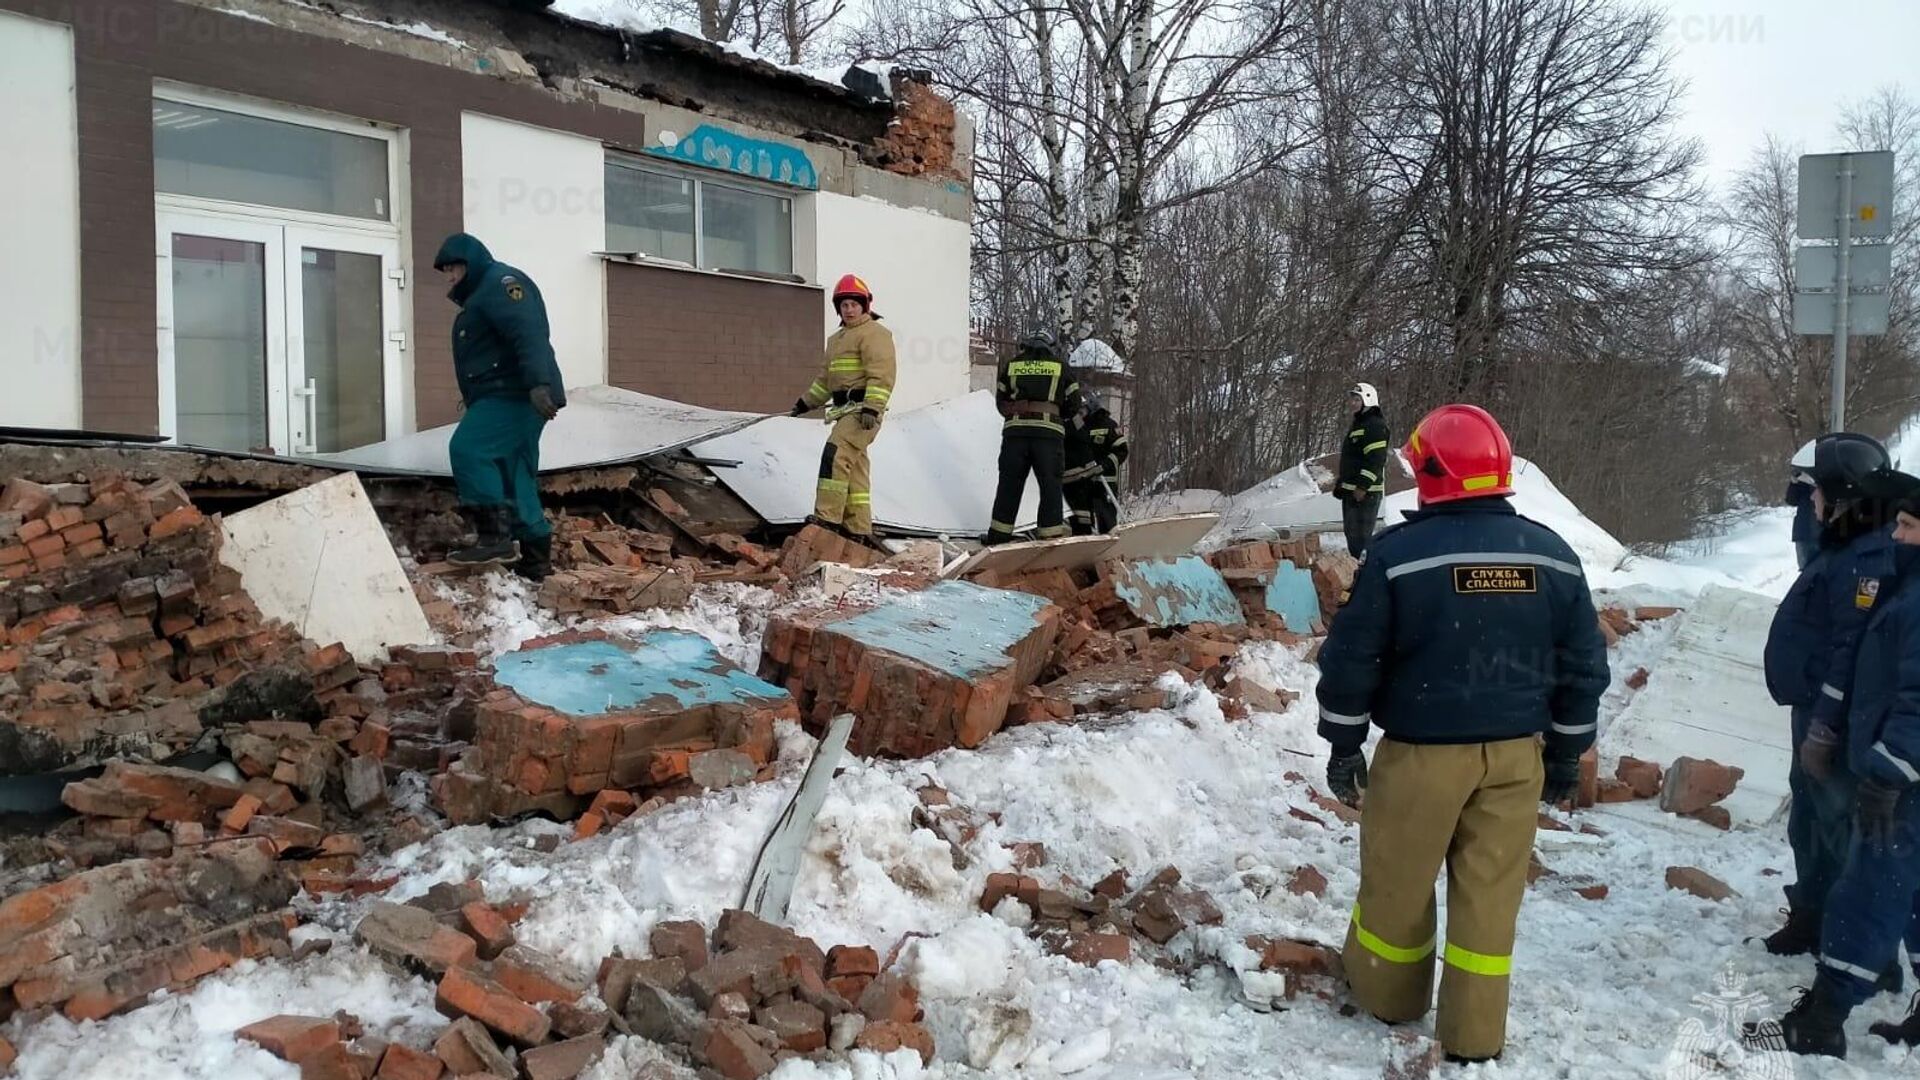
(668, 670)
(955, 627)
(1291, 596)
(1176, 592)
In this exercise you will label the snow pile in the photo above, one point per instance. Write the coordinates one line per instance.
(642, 18)
(1094, 354)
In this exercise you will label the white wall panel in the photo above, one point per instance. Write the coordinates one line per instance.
(917, 264)
(536, 198)
(40, 220)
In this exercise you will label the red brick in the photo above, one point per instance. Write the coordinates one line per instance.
(26, 498)
(373, 740)
(1091, 948)
(1694, 784)
(292, 1038)
(845, 960)
(890, 997)
(1694, 880)
(1307, 881)
(405, 1063)
(563, 1060)
(467, 1048)
(1643, 777)
(488, 930)
(337, 1062)
(534, 976)
(175, 522)
(46, 546)
(79, 534)
(888, 1036)
(64, 517)
(12, 554)
(683, 941)
(463, 992)
(729, 1046)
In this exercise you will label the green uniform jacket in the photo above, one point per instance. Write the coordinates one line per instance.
(501, 346)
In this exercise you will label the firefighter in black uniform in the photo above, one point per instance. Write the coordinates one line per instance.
(1096, 448)
(1471, 641)
(1036, 393)
(1362, 483)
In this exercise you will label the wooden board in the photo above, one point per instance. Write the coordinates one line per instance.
(1161, 538)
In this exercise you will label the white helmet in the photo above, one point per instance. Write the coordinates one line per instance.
(1804, 459)
(1369, 397)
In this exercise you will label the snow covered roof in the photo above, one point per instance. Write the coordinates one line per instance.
(869, 80)
(1096, 355)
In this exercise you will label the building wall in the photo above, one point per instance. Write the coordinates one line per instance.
(711, 339)
(916, 259)
(536, 198)
(40, 219)
(918, 265)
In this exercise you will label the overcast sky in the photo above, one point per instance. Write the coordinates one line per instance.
(1785, 66)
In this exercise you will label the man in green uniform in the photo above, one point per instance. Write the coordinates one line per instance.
(510, 387)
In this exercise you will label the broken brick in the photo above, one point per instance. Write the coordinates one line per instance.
(1692, 879)
(731, 1048)
(800, 1027)
(887, 1036)
(464, 992)
(411, 937)
(1592, 892)
(684, 941)
(467, 1048)
(535, 976)
(1090, 948)
(292, 1038)
(890, 997)
(1307, 881)
(405, 1063)
(572, 1021)
(491, 934)
(853, 960)
(563, 1060)
(1643, 777)
(1693, 784)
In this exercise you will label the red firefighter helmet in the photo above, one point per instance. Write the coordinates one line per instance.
(851, 287)
(1459, 452)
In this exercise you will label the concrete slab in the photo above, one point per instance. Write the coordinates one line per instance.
(1707, 698)
(1292, 596)
(1174, 592)
(601, 425)
(319, 560)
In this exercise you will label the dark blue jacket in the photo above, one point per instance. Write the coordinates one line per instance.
(501, 346)
(1883, 724)
(1468, 623)
(1816, 631)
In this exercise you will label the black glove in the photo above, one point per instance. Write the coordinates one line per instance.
(542, 399)
(1563, 781)
(1817, 750)
(1347, 775)
(868, 419)
(800, 407)
(1874, 807)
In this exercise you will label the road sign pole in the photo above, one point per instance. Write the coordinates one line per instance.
(1841, 315)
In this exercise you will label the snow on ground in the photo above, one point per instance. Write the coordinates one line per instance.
(1600, 988)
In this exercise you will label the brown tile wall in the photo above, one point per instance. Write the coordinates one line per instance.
(707, 339)
(123, 46)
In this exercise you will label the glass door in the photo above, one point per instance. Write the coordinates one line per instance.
(277, 338)
(343, 360)
(222, 338)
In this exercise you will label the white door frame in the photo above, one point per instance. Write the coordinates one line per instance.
(300, 401)
(288, 415)
(225, 227)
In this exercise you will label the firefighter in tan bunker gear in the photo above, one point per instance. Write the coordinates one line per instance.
(855, 390)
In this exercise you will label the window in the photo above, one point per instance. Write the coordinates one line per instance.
(217, 154)
(698, 222)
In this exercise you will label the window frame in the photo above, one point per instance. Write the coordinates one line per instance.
(393, 225)
(646, 164)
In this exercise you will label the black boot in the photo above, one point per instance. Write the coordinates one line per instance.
(1892, 980)
(536, 558)
(1906, 1031)
(1814, 1027)
(1800, 936)
(492, 546)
